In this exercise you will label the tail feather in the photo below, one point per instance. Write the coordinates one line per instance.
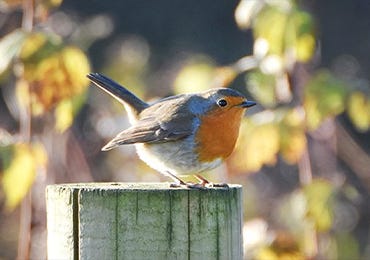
(124, 96)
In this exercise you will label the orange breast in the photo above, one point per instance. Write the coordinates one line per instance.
(217, 134)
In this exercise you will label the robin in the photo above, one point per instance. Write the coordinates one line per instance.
(183, 134)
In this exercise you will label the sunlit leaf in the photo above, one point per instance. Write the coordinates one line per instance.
(284, 246)
(287, 31)
(270, 24)
(262, 88)
(359, 110)
(292, 136)
(197, 75)
(53, 72)
(66, 111)
(300, 35)
(305, 47)
(51, 3)
(20, 171)
(76, 66)
(258, 145)
(10, 46)
(319, 204)
(37, 47)
(324, 97)
(63, 115)
(266, 134)
(347, 247)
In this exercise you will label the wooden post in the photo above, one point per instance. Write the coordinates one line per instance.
(143, 221)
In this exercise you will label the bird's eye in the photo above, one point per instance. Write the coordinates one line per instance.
(222, 102)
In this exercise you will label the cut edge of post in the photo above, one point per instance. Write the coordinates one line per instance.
(136, 186)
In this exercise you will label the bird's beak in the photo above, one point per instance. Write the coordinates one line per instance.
(248, 104)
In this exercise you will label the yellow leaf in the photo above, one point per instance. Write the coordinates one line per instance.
(288, 32)
(38, 46)
(258, 145)
(270, 25)
(305, 47)
(319, 208)
(300, 35)
(266, 253)
(18, 177)
(63, 115)
(293, 145)
(33, 44)
(77, 66)
(54, 76)
(324, 97)
(196, 76)
(66, 111)
(359, 110)
(292, 136)
(51, 3)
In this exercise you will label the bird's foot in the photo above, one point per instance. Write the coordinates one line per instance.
(203, 183)
(190, 185)
(217, 185)
(207, 184)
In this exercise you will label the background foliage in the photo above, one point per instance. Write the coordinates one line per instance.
(303, 153)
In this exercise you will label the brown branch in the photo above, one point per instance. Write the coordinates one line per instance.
(353, 155)
(28, 7)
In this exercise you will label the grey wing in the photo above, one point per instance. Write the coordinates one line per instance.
(151, 131)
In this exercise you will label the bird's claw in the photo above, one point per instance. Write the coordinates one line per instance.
(201, 185)
(217, 185)
(189, 185)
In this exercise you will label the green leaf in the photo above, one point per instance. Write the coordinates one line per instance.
(300, 35)
(270, 24)
(324, 97)
(347, 247)
(319, 196)
(262, 88)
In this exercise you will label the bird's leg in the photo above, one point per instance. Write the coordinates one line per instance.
(202, 180)
(178, 182)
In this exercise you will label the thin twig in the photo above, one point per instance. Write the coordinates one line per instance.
(304, 168)
(24, 235)
(24, 228)
(28, 15)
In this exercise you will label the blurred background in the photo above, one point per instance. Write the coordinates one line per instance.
(303, 155)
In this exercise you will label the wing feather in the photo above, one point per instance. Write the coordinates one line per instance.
(164, 122)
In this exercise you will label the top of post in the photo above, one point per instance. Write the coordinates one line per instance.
(136, 186)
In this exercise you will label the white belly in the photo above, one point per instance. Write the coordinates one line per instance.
(177, 158)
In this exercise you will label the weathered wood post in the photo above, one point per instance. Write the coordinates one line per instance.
(143, 221)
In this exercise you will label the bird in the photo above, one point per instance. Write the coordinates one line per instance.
(184, 134)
